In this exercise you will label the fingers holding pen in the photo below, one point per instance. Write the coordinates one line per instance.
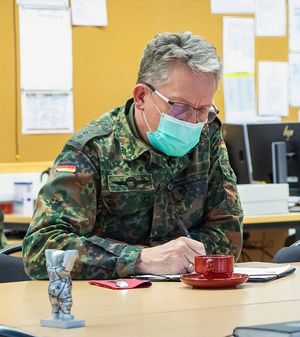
(195, 248)
(174, 257)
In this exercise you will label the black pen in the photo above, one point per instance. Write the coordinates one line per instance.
(182, 226)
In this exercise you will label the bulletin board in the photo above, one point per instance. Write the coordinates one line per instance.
(105, 64)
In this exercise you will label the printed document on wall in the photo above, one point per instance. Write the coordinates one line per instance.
(294, 25)
(268, 12)
(239, 97)
(294, 73)
(238, 45)
(89, 12)
(232, 6)
(44, 112)
(273, 88)
(45, 49)
(44, 3)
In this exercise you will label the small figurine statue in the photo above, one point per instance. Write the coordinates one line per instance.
(59, 266)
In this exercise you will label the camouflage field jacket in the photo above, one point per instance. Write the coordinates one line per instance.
(109, 195)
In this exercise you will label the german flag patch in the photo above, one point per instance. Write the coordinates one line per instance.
(222, 144)
(66, 168)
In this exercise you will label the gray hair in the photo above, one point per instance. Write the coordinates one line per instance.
(167, 48)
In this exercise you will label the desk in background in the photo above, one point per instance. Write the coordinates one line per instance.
(289, 220)
(165, 309)
(16, 222)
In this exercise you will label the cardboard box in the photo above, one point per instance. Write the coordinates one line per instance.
(262, 245)
(259, 199)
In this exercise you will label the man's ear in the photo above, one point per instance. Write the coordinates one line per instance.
(139, 92)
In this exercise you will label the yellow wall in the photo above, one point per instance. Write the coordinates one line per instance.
(105, 64)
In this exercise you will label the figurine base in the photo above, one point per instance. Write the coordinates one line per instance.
(56, 323)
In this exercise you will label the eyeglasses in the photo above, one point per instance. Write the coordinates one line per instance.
(186, 112)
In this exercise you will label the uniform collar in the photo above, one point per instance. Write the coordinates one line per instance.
(130, 146)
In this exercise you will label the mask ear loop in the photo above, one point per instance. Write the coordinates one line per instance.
(145, 119)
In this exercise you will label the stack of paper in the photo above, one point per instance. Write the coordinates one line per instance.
(257, 271)
(264, 272)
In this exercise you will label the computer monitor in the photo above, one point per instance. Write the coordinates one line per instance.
(250, 151)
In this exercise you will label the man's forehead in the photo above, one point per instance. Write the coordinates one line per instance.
(189, 94)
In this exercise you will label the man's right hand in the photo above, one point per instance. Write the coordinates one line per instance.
(174, 257)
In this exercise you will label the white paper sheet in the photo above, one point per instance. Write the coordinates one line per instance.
(238, 45)
(239, 98)
(261, 274)
(273, 88)
(45, 49)
(268, 12)
(294, 25)
(89, 12)
(294, 77)
(47, 112)
(44, 3)
(232, 6)
(277, 270)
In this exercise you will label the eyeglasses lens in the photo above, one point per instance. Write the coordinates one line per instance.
(184, 112)
(179, 111)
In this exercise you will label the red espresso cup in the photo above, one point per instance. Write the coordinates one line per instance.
(214, 266)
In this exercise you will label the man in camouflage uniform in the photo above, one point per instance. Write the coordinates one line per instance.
(121, 183)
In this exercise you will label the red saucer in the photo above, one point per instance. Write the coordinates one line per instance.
(197, 282)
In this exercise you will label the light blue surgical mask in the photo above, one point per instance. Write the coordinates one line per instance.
(174, 137)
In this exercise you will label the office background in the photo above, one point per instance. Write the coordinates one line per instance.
(105, 64)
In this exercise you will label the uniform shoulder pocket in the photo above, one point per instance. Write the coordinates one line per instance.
(134, 183)
(129, 194)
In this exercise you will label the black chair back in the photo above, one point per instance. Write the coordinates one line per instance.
(10, 332)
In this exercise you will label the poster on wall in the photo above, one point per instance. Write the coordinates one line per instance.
(89, 12)
(46, 70)
(239, 69)
(238, 45)
(44, 3)
(294, 79)
(45, 112)
(45, 49)
(268, 12)
(294, 26)
(273, 88)
(232, 6)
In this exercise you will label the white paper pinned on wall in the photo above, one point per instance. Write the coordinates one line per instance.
(89, 12)
(239, 69)
(232, 6)
(239, 98)
(268, 12)
(44, 3)
(45, 49)
(273, 88)
(47, 112)
(294, 25)
(238, 45)
(294, 79)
